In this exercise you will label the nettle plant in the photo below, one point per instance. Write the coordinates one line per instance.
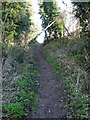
(15, 110)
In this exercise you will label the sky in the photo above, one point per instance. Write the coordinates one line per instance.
(36, 17)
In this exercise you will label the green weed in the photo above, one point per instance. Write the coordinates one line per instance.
(15, 109)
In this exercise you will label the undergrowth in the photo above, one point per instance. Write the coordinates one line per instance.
(70, 61)
(25, 97)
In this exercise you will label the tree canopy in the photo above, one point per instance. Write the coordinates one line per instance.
(82, 11)
(15, 20)
(50, 12)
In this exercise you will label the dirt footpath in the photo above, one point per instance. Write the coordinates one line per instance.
(50, 92)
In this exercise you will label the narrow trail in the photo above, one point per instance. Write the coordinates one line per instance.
(50, 92)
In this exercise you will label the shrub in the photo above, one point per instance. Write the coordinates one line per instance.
(5, 50)
(17, 53)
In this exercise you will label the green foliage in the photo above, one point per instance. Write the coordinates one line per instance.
(80, 54)
(15, 109)
(80, 105)
(49, 12)
(26, 96)
(15, 20)
(54, 62)
(26, 85)
(5, 50)
(27, 82)
(16, 24)
(17, 53)
(82, 12)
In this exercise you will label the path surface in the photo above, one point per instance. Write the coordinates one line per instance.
(50, 104)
